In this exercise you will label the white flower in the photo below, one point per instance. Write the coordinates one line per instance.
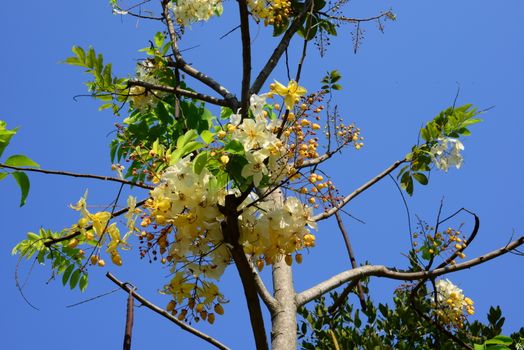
(255, 166)
(188, 11)
(257, 104)
(446, 153)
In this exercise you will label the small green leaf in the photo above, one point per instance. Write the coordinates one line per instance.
(83, 283)
(421, 178)
(234, 147)
(21, 160)
(207, 136)
(23, 182)
(67, 274)
(500, 340)
(200, 162)
(3, 175)
(75, 277)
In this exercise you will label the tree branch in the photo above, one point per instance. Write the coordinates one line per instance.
(382, 271)
(326, 214)
(88, 176)
(246, 56)
(182, 65)
(128, 288)
(179, 91)
(351, 254)
(279, 50)
(231, 233)
(268, 299)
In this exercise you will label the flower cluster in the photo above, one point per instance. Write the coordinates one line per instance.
(446, 153)
(141, 98)
(451, 303)
(271, 11)
(189, 11)
(96, 228)
(265, 152)
(276, 229)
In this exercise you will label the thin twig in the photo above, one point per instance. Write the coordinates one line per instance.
(353, 262)
(88, 176)
(179, 91)
(326, 214)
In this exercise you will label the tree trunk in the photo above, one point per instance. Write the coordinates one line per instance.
(284, 319)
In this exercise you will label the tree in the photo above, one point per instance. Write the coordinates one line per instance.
(241, 166)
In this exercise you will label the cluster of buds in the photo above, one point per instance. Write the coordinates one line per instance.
(432, 244)
(273, 12)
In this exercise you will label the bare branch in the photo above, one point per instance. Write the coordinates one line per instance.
(383, 271)
(88, 176)
(268, 299)
(353, 261)
(129, 288)
(279, 50)
(326, 214)
(246, 56)
(182, 65)
(179, 91)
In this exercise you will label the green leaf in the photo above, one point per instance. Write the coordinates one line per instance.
(421, 178)
(23, 182)
(200, 162)
(75, 277)
(5, 136)
(83, 282)
(207, 136)
(67, 274)
(3, 175)
(159, 39)
(500, 340)
(186, 138)
(21, 160)
(234, 147)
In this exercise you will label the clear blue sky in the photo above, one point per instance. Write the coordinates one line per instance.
(396, 82)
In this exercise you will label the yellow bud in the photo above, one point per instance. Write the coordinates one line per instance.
(304, 122)
(303, 106)
(199, 308)
(116, 259)
(289, 260)
(211, 318)
(312, 200)
(73, 243)
(219, 309)
(160, 219)
(82, 222)
(224, 159)
(260, 264)
(171, 306)
(101, 263)
(93, 259)
(315, 126)
(221, 134)
(277, 106)
(90, 235)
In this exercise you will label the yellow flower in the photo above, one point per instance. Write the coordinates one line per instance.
(291, 93)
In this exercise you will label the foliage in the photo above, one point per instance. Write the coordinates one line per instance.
(17, 160)
(399, 326)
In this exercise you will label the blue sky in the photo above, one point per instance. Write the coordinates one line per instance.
(398, 80)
